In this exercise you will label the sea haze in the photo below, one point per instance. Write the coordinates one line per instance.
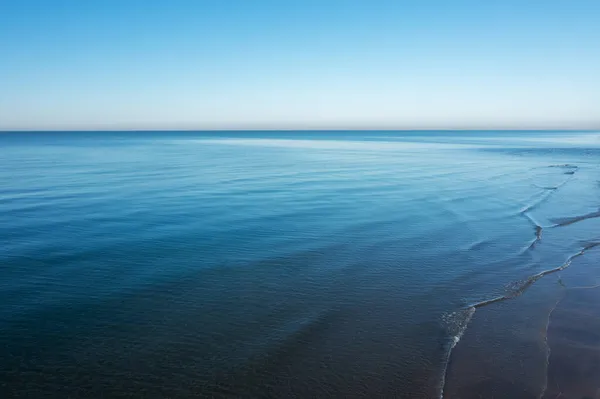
(299, 264)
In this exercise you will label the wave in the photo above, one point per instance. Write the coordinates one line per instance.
(537, 227)
(548, 191)
(459, 321)
(569, 169)
(545, 187)
(477, 245)
(561, 222)
(544, 195)
(564, 166)
(590, 245)
(534, 204)
(587, 287)
(530, 246)
(517, 288)
(456, 323)
(552, 188)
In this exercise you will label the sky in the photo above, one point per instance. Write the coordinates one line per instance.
(299, 64)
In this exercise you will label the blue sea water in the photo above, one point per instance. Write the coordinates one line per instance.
(289, 264)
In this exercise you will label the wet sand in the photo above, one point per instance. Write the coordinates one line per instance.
(503, 352)
(544, 344)
(574, 341)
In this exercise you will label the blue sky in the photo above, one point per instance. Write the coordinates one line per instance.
(150, 64)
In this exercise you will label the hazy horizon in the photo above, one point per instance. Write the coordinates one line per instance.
(358, 130)
(299, 65)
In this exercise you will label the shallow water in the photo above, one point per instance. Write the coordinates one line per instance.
(282, 264)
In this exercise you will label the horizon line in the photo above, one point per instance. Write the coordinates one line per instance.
(133, 130)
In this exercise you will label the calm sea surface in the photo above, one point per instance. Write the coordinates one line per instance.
(297, 264)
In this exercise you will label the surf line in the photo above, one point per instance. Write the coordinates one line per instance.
(471, 309)
(525, 211)
(469, 312)
(561, 222)
(546, 193)
(521, 288)
(538, 231)
(528, 282)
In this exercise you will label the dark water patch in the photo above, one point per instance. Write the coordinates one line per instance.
(497, 386)
(159, 342)
(272, 366)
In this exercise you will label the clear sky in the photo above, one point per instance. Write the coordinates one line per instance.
(203, 64)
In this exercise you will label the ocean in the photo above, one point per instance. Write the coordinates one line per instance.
(282, 264)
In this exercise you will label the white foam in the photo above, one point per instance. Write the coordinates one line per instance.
(457, 323)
